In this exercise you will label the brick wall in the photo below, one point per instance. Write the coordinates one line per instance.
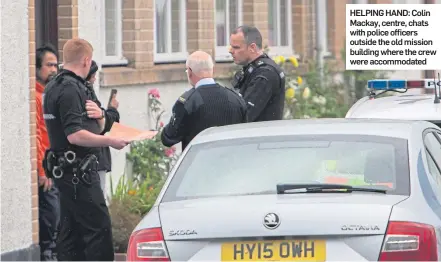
(138, 48)
(138, 38)
(68, 28)
(255, 12)
(31, 6)
(200, 24)
(336, 27)
(67, 23)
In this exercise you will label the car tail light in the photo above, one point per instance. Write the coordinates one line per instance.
(406, 241)
(147, 245)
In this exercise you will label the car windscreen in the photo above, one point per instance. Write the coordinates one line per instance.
(256, 165)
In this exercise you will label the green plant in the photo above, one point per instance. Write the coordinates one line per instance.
(134, 196)
(142, 195)
(123, 223)
(311, 95)
(150, 158)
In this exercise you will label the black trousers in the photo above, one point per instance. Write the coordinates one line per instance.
(49, 219)
(85, 226)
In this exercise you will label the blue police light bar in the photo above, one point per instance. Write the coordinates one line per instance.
(390, 84)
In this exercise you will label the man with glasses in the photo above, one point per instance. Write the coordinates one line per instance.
(206, 104)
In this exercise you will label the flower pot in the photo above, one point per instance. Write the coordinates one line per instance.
(120, 256)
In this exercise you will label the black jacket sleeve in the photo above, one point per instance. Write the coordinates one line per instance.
(112, 116)
(71, 109)
(259, 91)
(175, 130)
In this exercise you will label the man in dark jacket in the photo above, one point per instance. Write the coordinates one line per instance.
(206, 105)
(261, 81)
(112, 115)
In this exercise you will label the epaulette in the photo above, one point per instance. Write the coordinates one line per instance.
(256, 64)
(232, 90)
(185, 96)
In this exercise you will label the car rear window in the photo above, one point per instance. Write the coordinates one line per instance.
(257, 165)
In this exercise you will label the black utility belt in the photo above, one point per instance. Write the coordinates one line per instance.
(56, 164)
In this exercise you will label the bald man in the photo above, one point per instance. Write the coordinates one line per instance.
(75, 126)
(206, 104)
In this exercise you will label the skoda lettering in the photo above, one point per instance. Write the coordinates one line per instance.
(184, 232)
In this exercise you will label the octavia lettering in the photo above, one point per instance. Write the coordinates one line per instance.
(359, 227)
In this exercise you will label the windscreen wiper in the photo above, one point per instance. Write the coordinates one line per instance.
(324, 188)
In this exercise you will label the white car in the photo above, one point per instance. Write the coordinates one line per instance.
(404, 106)
(299, 190)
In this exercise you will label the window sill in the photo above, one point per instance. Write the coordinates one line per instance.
(167, 58)
(160, 73)
(114, 62)
(282, 51)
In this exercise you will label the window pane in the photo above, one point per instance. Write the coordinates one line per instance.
(234, 16)
(176, 29)
(110, 17)
(161, 25)
(225, 168)
(272, 30)
(221, 15)
(434, 147)
(433, 169)
(283, 23)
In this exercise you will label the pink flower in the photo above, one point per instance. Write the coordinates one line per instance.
(161, 124)
(169, 152)
(154, 93)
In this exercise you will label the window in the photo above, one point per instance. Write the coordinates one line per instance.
(228, 16)
(279, 27)
(409, 2)
(225, 168)
(170, 31)
(433, 152)
(112, 33)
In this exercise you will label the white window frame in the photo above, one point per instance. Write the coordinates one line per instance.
(410, 2)
(221, 52)
(172, 56)
(118, 59)
(283, 50)
(321, 16)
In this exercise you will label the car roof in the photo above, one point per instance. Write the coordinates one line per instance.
(379, 127)
(406, 107)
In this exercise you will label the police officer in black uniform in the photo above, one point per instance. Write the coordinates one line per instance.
(261, 81)
(205, 105)
(112, 116)
(76, 138)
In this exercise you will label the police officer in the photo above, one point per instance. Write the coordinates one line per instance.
(76, 139)
(205, 105)
(111, 116)
(261, 81)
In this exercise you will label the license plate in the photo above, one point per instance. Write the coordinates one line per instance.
(281, 250)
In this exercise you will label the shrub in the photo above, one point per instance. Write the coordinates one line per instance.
(123, 223)
(134, 196)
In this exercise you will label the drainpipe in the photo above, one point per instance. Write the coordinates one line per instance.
(429, 73)
(320, 23)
